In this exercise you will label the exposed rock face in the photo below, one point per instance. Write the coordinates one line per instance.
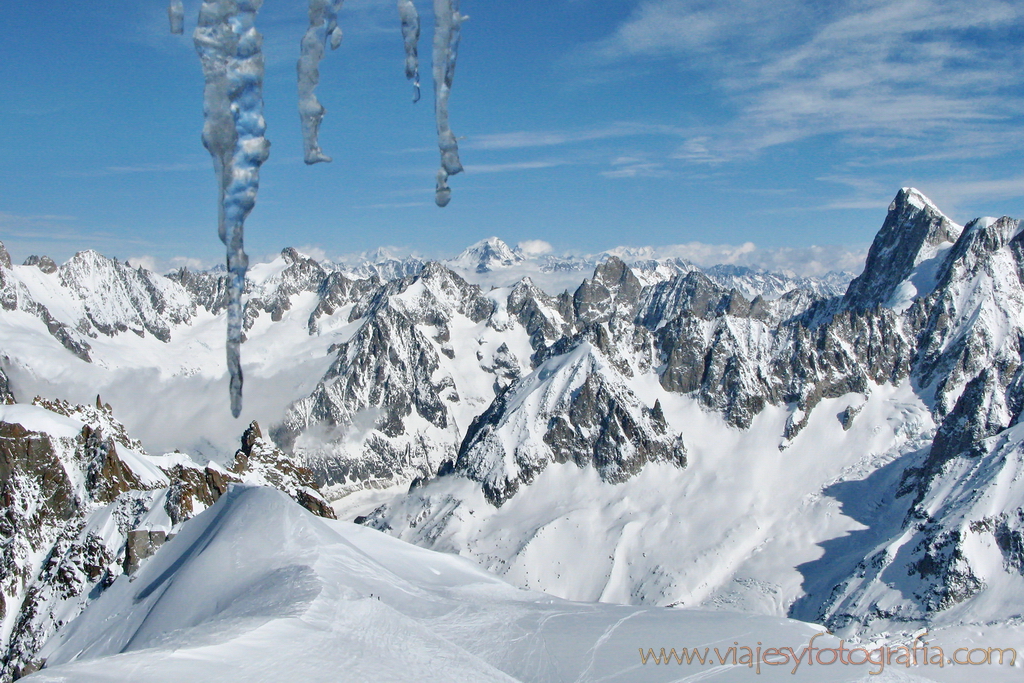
(115, 298)
(395, 369)
(140, 544)
(544, 318)
(49, 486)
(274, 295)
(44, 263)
(208, 289)
(259, 461)
(6, 395)
(404, 387)
(613, 291)
(753, 283)
(912, 233)
(940, 559)
(83, 504)
(573, 409)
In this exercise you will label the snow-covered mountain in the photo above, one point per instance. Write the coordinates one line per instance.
(258, 589)
(493, 263)
(655, 434)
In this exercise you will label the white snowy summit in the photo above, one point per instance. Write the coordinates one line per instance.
(485, 256)
(632, 432)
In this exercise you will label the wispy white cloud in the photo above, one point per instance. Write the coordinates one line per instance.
(392, 205)
(805, 261)
(10, 219)
(514, 166)
(157, 264)
(635, 167)
(134, 169)
(535, 247)
(873, 71)
(950, 194)
(146, 262)
(525, 139)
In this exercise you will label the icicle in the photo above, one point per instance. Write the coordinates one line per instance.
(323, 26)
(176, 15)
(411, 33)
(447, 31)
(231, 52)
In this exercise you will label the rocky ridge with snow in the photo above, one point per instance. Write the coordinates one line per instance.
(83, 504)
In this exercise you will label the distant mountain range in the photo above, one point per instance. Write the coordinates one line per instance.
(844, 450)
(493, 263)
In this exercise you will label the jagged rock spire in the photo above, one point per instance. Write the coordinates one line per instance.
(912, 232)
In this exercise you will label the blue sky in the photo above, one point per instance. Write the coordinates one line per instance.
(584, 123)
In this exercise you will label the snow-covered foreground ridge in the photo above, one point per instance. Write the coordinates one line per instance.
(656, 436)
(256, 588)
(84, 504)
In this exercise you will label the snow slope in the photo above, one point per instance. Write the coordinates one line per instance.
(739, 528)
(257, 589)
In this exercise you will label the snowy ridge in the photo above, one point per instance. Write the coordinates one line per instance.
(257, 587)
(83, 503)
(961, 562)
(425, 355)
(491, 262)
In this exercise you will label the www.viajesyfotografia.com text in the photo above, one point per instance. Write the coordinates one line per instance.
(916, 653)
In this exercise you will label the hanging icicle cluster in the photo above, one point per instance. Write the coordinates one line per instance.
(176, 14)
(447, 31)
(411, 36)
(230, 49)
(323, 27)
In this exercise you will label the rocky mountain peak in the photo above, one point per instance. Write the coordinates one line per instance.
(43, 263)
(436, 293)
(914, 232)
(487, 255)
(251, 435)
(290, 255)
(574, 407)
(5, 258)
(614, 289)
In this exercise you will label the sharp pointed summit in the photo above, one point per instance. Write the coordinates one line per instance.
(904, 255)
